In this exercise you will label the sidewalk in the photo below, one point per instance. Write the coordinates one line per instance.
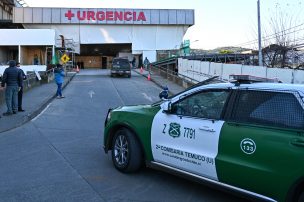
(160, 81)
(34, 101)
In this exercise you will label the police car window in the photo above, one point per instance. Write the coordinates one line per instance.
(269, 108)
(208, 104)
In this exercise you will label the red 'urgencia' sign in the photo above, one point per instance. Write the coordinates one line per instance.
(107, 15)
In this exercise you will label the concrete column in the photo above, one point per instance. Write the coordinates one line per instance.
(19, 54)
(53, 52)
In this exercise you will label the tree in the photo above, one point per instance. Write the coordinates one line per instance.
(285, 28)
(225, 51)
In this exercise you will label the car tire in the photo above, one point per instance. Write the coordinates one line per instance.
(129, 75)
(296, 194)
(301, 197)
(127, 155)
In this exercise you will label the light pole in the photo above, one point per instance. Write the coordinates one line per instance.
(259, 33)
(192, 42)
(193, 52)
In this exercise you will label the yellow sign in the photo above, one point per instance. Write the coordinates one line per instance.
(65, 58)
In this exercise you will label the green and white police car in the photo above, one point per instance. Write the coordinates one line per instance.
(245, 136)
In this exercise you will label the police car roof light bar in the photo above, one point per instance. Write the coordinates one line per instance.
(251, 79)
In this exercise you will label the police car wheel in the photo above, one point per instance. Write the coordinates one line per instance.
(301, 197)
(126, 151)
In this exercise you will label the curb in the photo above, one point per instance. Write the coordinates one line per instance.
(32, 115)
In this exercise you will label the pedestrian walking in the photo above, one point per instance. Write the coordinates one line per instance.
(12, 79)
(20, 92)
(59, 74)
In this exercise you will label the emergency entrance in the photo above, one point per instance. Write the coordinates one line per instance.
(96, 35)
(101, 55)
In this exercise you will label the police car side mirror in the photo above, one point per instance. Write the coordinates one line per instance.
(167, 107)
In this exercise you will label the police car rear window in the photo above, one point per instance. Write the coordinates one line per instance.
(269, 108)
(121, 62)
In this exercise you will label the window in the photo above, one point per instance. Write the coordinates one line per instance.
(121, 62)
(269, 108)
(207, 104)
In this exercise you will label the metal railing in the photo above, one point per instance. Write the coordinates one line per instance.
(32, 80)
(181, 79)
(170, 75)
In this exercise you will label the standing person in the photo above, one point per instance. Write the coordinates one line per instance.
(20, 93)
(13, 80)
(1, 88)
(59, 74)
(133, 62)
(146, 63)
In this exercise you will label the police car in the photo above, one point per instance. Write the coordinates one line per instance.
(246, 136)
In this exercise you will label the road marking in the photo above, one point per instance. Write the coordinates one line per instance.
(34, 119)
(112, 82)
(147, 97)
(91, 93)
(81, 81)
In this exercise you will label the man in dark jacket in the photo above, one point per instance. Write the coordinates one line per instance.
(20, 93)
(13, 80)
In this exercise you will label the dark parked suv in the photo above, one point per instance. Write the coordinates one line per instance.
(121, 66)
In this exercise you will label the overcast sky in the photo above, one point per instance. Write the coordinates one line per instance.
(218, 23)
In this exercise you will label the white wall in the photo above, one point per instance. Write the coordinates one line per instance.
(145, 39)
(254, 70)
(216, 69)
(26, 68)
(151, 55)
(142, 37)
(196, 67)
(126, 55)
(284, 75)
(15, 37)
(190, 69)
(298, 76)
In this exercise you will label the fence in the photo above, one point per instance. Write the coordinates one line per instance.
(199, 71)
(177, 78)
(32, 81)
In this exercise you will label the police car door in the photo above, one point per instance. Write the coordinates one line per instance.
(187, 137)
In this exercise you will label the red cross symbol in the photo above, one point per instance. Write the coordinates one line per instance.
(69, 15)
